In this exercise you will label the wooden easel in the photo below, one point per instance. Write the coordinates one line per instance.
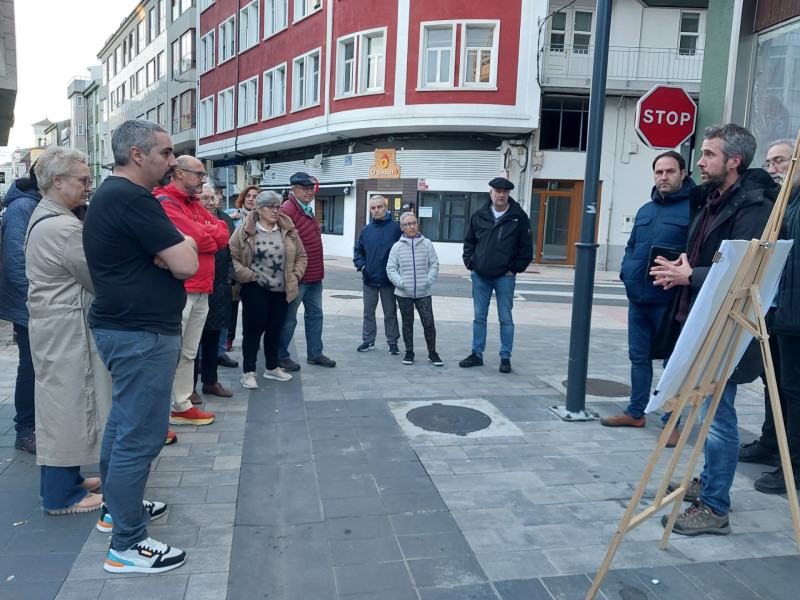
(730, 323)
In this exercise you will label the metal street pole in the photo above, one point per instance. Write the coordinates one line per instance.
(587, 248)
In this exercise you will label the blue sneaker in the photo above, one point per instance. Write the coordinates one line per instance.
(105, 523)
(147, 556)
(366, 346)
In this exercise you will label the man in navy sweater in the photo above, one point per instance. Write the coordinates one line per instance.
(370, 256)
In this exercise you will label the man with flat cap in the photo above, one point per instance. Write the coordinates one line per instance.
(498, 245)
(297, 208)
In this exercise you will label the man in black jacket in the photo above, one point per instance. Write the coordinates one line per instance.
(733, 204)
(498, 245)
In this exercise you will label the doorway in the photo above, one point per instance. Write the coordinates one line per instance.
(556, 207)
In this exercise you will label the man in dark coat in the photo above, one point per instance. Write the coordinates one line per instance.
(370, 256)
(733, 204)
(498, 245)
(662, 224)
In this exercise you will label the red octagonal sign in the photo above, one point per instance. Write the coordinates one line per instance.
(665, 117)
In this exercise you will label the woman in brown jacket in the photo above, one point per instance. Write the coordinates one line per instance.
(269, 261)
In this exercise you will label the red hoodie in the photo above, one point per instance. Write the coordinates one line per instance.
(210, 233)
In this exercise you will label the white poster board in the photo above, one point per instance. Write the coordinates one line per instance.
(705, 309)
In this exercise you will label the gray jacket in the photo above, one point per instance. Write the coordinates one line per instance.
(413, 266)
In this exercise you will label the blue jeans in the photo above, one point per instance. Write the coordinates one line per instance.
(503, 288)
(61, 487)
(721, 452)
(223, 340)
(310, 294)
(25, 417)
(643, 322)
(142, 366)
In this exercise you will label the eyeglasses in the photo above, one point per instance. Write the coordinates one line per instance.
(200, 174)
(409, 224)
(273, 207)
(775, 162)
(86, 181)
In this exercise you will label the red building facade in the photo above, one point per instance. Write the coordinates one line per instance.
(324, 85)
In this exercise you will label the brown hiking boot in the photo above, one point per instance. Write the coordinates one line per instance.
(623, 420)
(673, 438)
(699, 519)
(693, 490)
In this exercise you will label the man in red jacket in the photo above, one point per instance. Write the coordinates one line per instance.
(310, 289)
(181, 203)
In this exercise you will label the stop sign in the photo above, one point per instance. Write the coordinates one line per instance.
(665, 117)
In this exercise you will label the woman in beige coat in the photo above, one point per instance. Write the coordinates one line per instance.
(73, 387)
(269, 261)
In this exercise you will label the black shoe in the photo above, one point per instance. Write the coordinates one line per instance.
(434, 359)
(26, 441)
(393, 349)
(473, 360)
(774, 483)
(408, 359)
(322, 361)
(364, 347)
(227, 361)
(287, 364)
(756, 452)
(505, 365)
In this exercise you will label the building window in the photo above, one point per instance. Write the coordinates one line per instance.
(151, 115)
(480, 55)
(303, 8)
(161, 65)
(275, 13)
(438, 56)
(205, 125)
(162, 115)
(79, 101)
(274, 92)
(227, 39)
(140, 81)
(131, 46)
(206, 54)
(183, 53)
(118, 54)
(183, 115)
(248, 26)
(186, 5)
(162, 18)
(305, 80)
(204, 4)
(450, 213)
(151, 72)
(564, 123)
(361, 63)
(225, 110)
(153, 22)
(330, 213)
(248, 102)
(690, 33)
(80, 128)
(141, 40)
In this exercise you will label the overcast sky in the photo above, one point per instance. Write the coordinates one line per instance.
(56, 40)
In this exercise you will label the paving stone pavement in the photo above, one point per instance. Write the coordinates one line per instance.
(319, 488)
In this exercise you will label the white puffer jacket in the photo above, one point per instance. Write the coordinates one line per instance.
(413, 266)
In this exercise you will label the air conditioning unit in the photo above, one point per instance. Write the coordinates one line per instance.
(253, 168)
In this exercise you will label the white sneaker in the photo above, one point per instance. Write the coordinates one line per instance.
(147, 556)
(277, 374)
(249, 380)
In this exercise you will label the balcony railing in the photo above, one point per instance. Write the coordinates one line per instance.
(624, 64)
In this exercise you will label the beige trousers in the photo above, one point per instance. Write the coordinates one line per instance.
(193, 320)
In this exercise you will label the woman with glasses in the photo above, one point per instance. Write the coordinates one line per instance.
(412, 268)
(269, 261)
(73, 387)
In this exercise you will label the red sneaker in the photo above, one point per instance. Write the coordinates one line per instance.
(192, 416)
(171, 438)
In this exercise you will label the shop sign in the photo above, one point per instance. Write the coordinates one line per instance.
(384, 167)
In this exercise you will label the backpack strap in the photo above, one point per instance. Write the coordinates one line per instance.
(35, 223)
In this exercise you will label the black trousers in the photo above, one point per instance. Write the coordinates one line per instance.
(424, 307)
(206, 362)
(263, 313)
(768, 437)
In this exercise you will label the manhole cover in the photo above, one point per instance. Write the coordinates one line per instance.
(446, 418)
(346, 297)
(605, 388)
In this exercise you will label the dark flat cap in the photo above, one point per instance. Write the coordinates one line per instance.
(501, 183)
(303, 179)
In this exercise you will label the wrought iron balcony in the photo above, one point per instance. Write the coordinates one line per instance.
(570, 66)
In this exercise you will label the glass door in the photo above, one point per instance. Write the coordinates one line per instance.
(555, 242)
